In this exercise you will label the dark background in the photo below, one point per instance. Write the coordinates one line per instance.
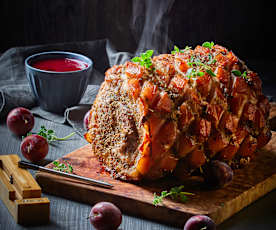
(245, 26)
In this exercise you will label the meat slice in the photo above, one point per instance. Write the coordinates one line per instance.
(173, 117)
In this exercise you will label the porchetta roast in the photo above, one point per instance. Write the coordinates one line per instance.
(172, 113)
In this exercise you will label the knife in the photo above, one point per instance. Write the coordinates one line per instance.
(28, 165)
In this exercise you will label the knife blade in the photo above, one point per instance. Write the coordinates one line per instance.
(28, 165)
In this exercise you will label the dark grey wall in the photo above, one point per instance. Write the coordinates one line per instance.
(244, 26)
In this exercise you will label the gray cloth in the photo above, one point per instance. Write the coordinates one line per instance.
(15, 90)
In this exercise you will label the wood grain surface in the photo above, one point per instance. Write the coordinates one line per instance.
(249, 184)
(21, 194)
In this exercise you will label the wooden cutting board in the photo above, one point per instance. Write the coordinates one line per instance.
(248, 185)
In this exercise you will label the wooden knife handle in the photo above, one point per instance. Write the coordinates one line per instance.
(27, 165)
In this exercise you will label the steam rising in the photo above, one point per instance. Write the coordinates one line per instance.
(150, 29)
(150, 25)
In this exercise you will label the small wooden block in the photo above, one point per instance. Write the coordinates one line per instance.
(32, 211)
(24, 182)
(21, 194)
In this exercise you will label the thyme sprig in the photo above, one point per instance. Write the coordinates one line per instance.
(177, 50)
(239, 74)
(192, 72)
(144, 59)
(63, 167)
(205, 67)
(208, 44)
(50, 135)
(175, 193)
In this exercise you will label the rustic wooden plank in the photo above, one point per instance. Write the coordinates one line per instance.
(249, 184)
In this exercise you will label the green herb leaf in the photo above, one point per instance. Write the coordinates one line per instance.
(149, 53)
(200, 74)
(177, 50)
(50, 136)
(192, 72)
(183, 197)
(201, 65)
(56, 163)
(236, 72)
(208, 45)
(244, 75)
(175, 193)
(210, 72)
(68, 168)
(239, 74)
(135, 59)
(187, 48)
(144, 59)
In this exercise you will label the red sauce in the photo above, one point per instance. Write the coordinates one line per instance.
(60, 65)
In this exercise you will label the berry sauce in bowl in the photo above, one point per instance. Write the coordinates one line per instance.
(60, 64)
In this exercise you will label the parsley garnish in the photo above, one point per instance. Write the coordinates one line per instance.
(144, 59)
(63, 167)
(50, 136)
(208, 45)
(175, 193)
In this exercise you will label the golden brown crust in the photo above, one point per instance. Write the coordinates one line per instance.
(187, 108)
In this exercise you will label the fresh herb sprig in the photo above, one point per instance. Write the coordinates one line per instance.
(177, 50)
(239, 74)
(192, 72)
(50, 136)
(206, 67)
(175, 193)
(208, 44)
(68, 168)
(144, 59)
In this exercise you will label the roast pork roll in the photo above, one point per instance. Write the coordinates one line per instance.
(175, 114)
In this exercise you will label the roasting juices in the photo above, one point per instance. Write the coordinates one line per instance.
(60, 65)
